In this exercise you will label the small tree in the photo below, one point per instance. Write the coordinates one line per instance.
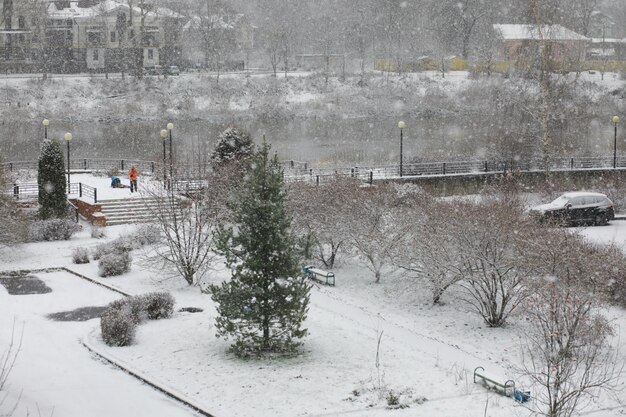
(13, 224)
(320, 214)
(265, 303)
(234, 145)
(567, 352)
(493, 238)
(376, 226)
(430, 249)
(51, 181)
(188, 226)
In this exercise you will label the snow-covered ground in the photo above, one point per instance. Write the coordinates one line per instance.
(425, 351)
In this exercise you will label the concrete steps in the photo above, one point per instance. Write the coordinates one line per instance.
(132, 210)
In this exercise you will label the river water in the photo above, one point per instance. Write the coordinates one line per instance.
(335, 142)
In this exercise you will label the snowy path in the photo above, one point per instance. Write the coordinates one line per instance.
(55, 374)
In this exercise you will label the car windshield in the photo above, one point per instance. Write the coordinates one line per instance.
(561, 201)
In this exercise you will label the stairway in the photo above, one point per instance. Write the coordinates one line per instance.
(131, 210)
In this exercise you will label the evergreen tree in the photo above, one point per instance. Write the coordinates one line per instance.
(51, 181)
(264, 304)
(234, 145)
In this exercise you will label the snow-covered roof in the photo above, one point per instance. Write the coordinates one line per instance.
(217, 21)
(531, 32)
(103, 8)
(607, 40)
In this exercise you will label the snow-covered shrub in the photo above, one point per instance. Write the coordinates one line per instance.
(135, 306)
(98, 232)
(125, 243)
(52, 229)
(147, 234)
(80, 256)
(114, 171)
(112, 264)
(159, 305)
(116, 246)
(117, 326)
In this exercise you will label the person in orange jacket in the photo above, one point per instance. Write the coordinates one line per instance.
(133, 173)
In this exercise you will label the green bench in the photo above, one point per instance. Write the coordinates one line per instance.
(506, 388)
(325, 277)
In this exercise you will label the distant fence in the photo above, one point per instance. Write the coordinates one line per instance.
(30, 191)
(301, 171)
(370, 173)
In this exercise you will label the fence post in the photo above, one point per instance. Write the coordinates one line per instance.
(80, 189)
(371, 177)
(443, 168)
(95, 195)
(486, 166)
(571, 163)
(317, 179)
(85, 164)
(306, 165)
(122, 164)
(152, 166)
(16, 191)
(10, 166)
(352, 172)
(291, 164)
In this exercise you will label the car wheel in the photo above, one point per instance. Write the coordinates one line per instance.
(601, 220)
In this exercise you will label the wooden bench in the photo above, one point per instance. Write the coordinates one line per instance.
(325, 277)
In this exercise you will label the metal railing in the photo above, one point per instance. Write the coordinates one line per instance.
(30, 191)
(300, 171)
(368, 173)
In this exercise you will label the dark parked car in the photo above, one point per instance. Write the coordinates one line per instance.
(577, 208)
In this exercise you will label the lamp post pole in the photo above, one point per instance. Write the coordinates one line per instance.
(68, 138)
(45, 123)
(401, 125)
(615, 122)
(170, 126)
(164, 137)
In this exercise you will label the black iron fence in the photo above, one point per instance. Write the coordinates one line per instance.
(30, 191)
(301, 171)
(369, 173)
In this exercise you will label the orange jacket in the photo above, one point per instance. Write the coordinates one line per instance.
(133, 173)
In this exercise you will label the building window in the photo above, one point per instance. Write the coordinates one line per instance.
(96, 55)
(150, 53)
(113, 36)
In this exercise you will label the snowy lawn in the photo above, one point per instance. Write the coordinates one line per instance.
(425, 351)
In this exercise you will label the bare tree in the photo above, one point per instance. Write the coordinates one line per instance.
(430, 250)
(493, 238)
(320, 212)
(7, 363)
(188, 225)
(376, 226)
(567, 351)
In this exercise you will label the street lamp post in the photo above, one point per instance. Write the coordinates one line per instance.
(170, 126)
(45, 124)
(164, 137)
(615, 123)
(68, 138)
(401, 125)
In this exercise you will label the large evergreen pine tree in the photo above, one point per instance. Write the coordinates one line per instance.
(51, 180)
(264, 304)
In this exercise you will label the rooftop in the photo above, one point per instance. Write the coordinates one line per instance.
(535, 32)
